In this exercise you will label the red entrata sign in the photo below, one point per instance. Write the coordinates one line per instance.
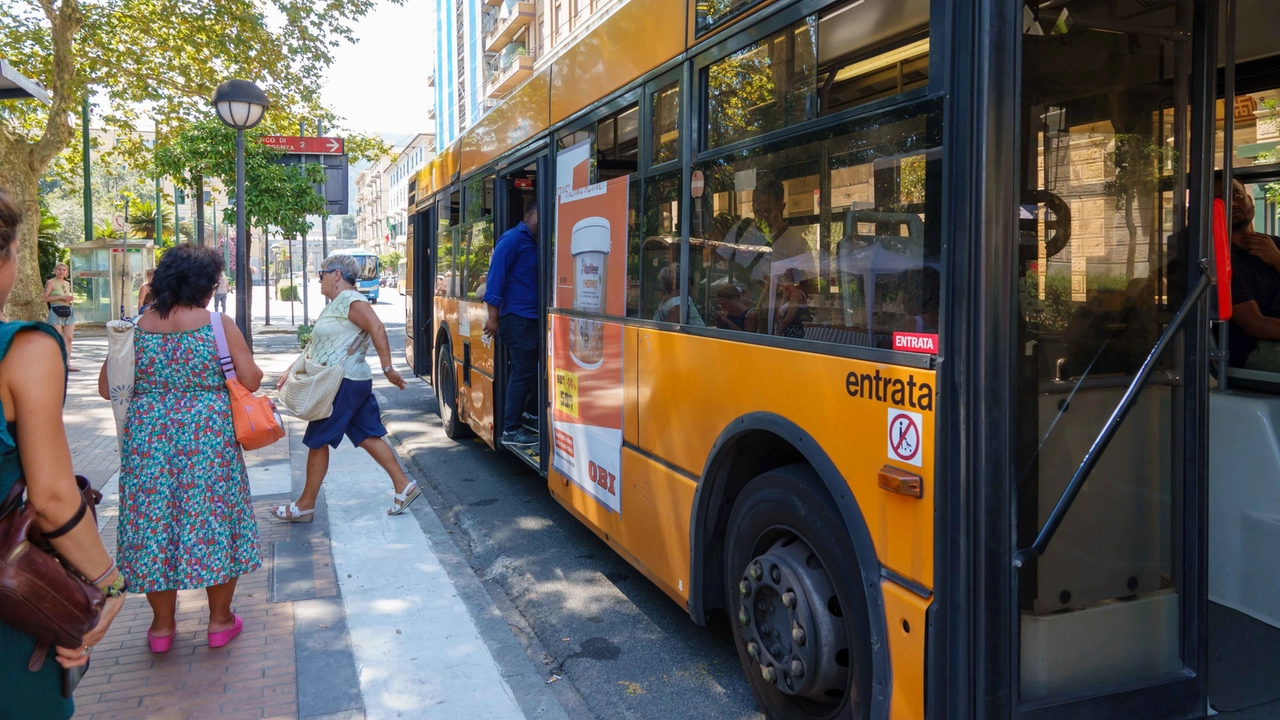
(916, 342)
(304, 145)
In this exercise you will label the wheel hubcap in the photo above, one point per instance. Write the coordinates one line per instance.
(792, 623)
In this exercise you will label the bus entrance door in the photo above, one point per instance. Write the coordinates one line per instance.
(519, 191)
(1106, 609)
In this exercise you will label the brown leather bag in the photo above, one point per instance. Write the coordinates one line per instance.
(40, 595)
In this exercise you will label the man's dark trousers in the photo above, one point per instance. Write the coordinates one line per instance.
(519, 336)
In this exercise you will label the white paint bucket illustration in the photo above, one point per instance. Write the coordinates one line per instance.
(589, 247)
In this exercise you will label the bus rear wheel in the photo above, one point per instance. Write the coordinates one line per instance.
(447, 395)
(795, 595)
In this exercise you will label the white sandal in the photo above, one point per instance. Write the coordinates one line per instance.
(291, 513)
(402, 500)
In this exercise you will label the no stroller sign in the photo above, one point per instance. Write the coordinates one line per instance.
(904, 437)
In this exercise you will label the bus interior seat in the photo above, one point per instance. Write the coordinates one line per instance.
(1244, 498)
(1244, 542)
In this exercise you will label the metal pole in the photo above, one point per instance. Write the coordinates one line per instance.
(243, 284)
(266, 275)
(324, 235)
(305, 318)
(293, 296)
(159, 216)
(1228, 164)
(88, 176)
(200, 210)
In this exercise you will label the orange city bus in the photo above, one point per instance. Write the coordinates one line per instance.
(844, 301)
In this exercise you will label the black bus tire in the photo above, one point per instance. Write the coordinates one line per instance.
(446, 389)
(784, 532)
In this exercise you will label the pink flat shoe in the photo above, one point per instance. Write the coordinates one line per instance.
(222, 637)
(159, 644)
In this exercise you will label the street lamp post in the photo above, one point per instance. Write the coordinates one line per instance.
(241, 104)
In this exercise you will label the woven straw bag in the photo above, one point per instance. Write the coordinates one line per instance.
(120, 371)
(310, 387)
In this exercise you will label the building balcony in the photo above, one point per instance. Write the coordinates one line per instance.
(507, 71)
(514, 16)
(431, 79)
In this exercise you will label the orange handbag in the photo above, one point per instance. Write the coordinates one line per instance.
(256, 421)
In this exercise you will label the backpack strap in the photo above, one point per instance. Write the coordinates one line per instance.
(220, 337)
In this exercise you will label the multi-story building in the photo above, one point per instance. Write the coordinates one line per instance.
(382, 195)
(410, 160)
(372, 195)
(459, 68)
(487, 48)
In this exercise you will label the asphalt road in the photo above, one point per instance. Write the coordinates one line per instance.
(622, 648)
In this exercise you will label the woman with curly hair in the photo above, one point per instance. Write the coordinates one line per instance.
(186, 520)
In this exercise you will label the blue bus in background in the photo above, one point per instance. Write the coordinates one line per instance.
(370, 272)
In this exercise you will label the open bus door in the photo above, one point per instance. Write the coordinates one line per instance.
(1086, 384)
(520, 185)
(416, 285)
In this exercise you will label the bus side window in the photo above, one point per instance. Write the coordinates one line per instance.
(829, 236)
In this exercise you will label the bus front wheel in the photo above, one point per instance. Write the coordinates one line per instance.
(796, 602)
(447, 394)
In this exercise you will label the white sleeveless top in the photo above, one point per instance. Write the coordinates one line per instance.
(333, 334)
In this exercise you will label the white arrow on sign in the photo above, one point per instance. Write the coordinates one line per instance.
(334, 144)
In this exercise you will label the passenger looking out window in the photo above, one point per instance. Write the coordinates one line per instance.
(1255, 287)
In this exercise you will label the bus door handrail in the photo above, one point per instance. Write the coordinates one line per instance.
(1127, 401)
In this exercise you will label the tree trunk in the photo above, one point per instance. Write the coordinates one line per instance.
(23, 188)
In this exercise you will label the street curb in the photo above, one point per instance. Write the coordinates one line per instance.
(516, 649)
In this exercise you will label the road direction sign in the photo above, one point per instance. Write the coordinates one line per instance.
(305, 145)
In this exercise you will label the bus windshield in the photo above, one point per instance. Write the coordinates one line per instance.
(369, 269)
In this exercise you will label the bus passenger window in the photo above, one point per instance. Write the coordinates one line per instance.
(478, 237)
(661, 230)
(618, 144)
(872, 50)
(666, 124)
(766, 86)
(852, 54)
(830, 236)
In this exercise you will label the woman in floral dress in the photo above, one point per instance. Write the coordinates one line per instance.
(186, 520)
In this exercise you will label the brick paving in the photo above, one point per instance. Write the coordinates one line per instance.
(91, 429)
(253, 677)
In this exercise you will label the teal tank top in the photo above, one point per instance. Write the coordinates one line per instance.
(25, 695)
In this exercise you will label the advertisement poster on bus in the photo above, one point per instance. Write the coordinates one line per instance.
(586, 353)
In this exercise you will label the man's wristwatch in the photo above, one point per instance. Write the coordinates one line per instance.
(388, 369)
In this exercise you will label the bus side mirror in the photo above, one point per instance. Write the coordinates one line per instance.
(1222, 258)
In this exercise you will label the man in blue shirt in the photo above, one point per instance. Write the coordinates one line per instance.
(512, 297)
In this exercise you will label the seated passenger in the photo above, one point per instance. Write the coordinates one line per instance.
(1255, 288)
(733, 309)
(669, 309)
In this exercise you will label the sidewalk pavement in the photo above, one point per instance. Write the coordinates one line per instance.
(355, 615)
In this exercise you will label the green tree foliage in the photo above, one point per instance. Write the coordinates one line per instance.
(391, 261)
(158, 57)
(277, 197)
(142, 219)
(50, 251)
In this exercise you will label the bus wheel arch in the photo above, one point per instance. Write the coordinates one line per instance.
(444, 383)
(752, 445)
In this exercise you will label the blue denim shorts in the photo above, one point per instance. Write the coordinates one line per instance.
(53, 318)
(355, 414)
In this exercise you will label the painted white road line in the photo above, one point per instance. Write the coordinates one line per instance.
(419, 653)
